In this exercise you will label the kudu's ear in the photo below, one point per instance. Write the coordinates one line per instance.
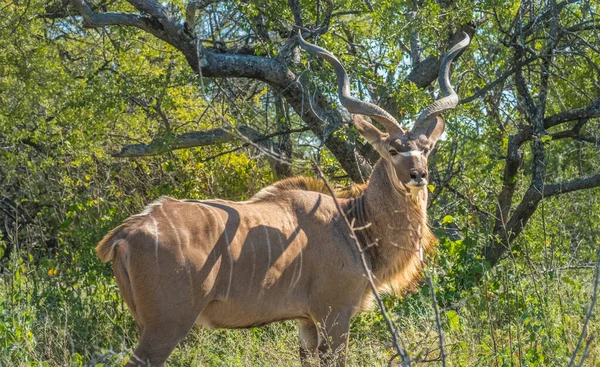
(366, 129)
(431, 127)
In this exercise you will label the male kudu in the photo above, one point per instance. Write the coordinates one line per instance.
(286, 253)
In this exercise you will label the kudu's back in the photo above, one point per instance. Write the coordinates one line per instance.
(231, 264)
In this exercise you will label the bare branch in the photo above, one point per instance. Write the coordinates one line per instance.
(91, 19)
(514, 159)
(587, 316)
(573, 185)
(530, 108)
(575, 133)
(436, 311)
(327, 16)
(186, 140)
(415, 41)
(590, 111)
(162, 115)
(396, 340)
(204, 138)
(295, 6)
(425, 72)
(483, 91)
(153, 8)
(541, 19)
(94, 20)
(192, 8)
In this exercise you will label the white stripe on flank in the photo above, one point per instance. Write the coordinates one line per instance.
(183, 258)
(174, 230)
(156, 237)
(187, 266)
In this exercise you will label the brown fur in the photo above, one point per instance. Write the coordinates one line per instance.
(400, 279)
(316, 185)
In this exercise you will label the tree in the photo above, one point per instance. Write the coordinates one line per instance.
(536, 59)
(529, 48)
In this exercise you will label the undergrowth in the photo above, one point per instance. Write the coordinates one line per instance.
(70, 314)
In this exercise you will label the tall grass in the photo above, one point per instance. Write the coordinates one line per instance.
(70, 314)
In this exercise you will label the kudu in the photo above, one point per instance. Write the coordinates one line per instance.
(286, 253)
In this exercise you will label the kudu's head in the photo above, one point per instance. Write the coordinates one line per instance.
(406, 151)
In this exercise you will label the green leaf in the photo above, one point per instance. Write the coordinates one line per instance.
(453, 320)
(447, 219)
(65, 224)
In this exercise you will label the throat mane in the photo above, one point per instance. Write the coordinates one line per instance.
(397, 233)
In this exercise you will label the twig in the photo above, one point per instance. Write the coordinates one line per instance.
(401, 351)
(263, 138)
(586, 351)
(436, 311)
(587, 317)
(162, 115)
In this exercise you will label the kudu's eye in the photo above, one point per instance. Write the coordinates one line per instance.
(393, 152)
(425, 151)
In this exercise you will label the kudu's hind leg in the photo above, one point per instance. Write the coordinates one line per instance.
(309, 341)
(156, 344)
(159, 337)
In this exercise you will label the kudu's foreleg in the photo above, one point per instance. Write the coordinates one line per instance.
(309, 342)
(333, 340)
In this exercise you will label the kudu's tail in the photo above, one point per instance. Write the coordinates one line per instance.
(114, 247)
(106, 248)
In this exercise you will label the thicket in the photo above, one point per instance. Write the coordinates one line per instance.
(71, 98)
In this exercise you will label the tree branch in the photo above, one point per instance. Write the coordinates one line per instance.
(426, 72)
(94, 20)
(268, 70)
(541, 19)
(575, 133)
(91, 19)
(295, 7)
(153, 8)
(186, 140)
(316, 112)
(514, 159)
(483, 91)
(190, 13)
(573, 185)
(590, 111)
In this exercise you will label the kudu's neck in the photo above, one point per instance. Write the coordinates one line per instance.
(391, 224)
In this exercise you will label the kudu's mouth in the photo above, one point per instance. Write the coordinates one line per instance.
(415, 188)
(414, 184)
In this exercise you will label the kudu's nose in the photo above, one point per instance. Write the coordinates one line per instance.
(418, 175)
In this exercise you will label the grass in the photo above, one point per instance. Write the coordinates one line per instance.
(72, 315)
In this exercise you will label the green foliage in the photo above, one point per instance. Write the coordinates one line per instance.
(71, 96)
